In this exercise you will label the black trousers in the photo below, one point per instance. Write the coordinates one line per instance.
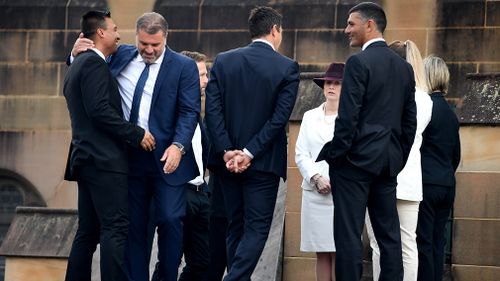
(353, 191)
(218, 226)
(250, 198)
(433, 213)
(102, 218)
(196, 234)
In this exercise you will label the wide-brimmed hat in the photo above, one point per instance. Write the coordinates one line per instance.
(335, 72)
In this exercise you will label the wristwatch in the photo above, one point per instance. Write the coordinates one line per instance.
(180, 146)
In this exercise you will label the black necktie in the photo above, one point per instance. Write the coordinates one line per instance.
(139, 89)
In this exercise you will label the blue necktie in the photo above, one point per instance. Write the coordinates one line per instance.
(139, 89)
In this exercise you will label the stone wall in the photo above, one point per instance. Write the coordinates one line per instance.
(37, 37)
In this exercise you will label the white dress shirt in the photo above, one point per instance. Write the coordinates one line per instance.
(369, 42)
(127, 80)
(198, 156)
(264, 41)
(99, 53)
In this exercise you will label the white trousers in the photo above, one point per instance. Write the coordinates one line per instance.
(408, 218)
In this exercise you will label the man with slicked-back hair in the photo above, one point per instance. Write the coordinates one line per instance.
(374, 132)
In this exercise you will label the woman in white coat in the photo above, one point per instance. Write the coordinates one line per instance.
(316, 129)
(409, 188)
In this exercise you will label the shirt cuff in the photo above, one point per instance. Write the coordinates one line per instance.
(248, 153)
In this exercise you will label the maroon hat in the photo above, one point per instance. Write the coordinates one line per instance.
(335, 72)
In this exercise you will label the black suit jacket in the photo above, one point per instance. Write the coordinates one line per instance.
(376, 123)
(99, 133)
(440, 150)
(249, 99)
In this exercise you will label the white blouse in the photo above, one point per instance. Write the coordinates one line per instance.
(410, 178)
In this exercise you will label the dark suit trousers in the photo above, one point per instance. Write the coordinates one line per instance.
(432, 216)
(196, 234)
(102, 218)
(250, 198)
(353, 191)
(218, 226)
(147, 185)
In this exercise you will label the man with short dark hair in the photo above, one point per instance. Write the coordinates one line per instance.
(374, 132)
(98, 154)
(249, 99)
(160, 91)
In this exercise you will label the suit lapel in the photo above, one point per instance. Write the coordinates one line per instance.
(162, 74)
(121, 59)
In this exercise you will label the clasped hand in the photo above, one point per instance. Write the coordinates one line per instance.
(322, 185)
(237, 161)
(148, 142)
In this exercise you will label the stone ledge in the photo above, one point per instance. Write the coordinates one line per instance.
(472, 272)
(40, 232)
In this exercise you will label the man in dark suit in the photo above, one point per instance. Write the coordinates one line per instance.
(160, 92)
(98, 154)
(373, 135)
(249, 98)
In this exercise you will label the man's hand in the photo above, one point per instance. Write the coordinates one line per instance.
(148, 141)
(171, 157)
(81, 45)
(228, 155)
(237, 161)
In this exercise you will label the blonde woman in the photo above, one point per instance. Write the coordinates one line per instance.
(440, 158)
(316, 129)
(409, 188)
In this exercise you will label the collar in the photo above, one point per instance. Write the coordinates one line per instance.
(369, 42)
(97, 51)
(264, 41)
(437, 93)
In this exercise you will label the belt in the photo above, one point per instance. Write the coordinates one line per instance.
(197, 188)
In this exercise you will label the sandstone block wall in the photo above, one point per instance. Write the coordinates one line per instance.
(36, 36)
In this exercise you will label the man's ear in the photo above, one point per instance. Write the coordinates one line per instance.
(100, 32)
(275, 29)
(371, 25)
